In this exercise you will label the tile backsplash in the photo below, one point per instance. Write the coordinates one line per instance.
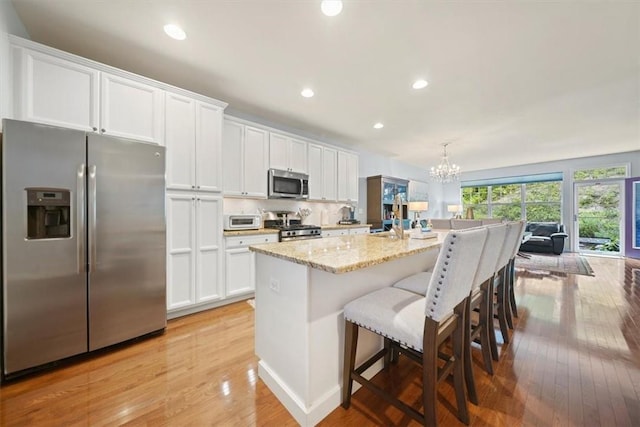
(334, 212)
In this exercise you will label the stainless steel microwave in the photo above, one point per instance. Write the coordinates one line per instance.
(288, 185)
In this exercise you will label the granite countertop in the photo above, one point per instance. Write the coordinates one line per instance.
(347, 253)
(341, 226)
(228, 233)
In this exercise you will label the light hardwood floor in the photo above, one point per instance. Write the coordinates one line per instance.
(574, 360)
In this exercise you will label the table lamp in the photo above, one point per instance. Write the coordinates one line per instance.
(418, 207)
(454, 210)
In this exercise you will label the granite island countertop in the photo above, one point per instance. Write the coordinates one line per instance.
(347, 253)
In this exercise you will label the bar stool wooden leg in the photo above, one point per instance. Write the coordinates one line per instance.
(468, 363)
(512, 282)
(502, 315)
(350, 344)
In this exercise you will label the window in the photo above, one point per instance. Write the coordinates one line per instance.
(600, 173)
(476, 198)
(506, 201)
(543, 201)
(534, 198)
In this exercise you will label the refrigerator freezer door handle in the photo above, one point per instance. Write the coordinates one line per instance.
(92, 219)
(80, 218)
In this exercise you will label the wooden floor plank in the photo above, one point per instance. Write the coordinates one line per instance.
(573, 360)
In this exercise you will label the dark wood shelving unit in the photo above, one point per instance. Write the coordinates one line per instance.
(380, 193)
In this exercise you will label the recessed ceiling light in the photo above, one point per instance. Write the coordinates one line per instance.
(307, 93)
(175, 32)
(331, 7)
(420, 84)
(378, 126)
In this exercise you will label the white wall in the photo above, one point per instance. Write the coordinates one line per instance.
(9, 24)
(567, 167)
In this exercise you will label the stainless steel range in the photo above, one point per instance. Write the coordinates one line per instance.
(294, 230)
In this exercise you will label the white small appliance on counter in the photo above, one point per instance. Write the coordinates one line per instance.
(242, 222)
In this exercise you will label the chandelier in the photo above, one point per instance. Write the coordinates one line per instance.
(445, 172)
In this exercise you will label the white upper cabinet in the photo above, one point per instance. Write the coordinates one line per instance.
(330, 165)
(322, 173)
(246, 160)
(347, 177)
(256, 149)
(232, 151)
(180, 140)
(192, 138)
(130, 109)
(287, 153)
(55, 91)
(208, 147)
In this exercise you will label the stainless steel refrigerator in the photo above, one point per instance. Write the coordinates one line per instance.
(83, 243)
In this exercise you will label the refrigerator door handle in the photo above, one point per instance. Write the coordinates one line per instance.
(93, 253)
(80, 215)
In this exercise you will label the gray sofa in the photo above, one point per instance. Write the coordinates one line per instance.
(546, 237)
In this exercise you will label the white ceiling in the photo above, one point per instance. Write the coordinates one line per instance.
(511, 82)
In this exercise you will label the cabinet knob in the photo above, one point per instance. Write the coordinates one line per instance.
(241, 241)
(198, 187)
(193, 186)
(95, 128)
(103, 130)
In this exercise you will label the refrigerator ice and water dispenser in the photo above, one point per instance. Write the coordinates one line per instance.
(48, 213)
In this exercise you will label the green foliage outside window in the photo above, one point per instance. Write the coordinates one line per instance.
(511, 212)
(600, 173)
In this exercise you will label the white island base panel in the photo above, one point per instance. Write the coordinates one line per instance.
(299, 328)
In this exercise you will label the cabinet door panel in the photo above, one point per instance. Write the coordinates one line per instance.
(278, 151)
(209, 238)
(298, 156)
(342, 176)
(330, 164)
(181, 251)
(55, 91)
(256, 158)
(180, 141)
(131, 109)
(208, 147)
(352, 177)
(240, 271)
(316, 184)
(232, 167)
(180, 292)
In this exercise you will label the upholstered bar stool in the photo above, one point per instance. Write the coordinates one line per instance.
(508, 272)
(417, 326)
(481, 300)
(512, 276)
(500, 285)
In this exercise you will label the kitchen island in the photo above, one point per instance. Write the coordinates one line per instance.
(301, 288)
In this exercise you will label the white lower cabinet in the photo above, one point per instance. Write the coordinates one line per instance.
(345, 231)
(194, 242)
(359, 230)
(335, 232)
(240, 270)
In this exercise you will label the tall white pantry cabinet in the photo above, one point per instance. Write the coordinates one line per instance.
(193, 134)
